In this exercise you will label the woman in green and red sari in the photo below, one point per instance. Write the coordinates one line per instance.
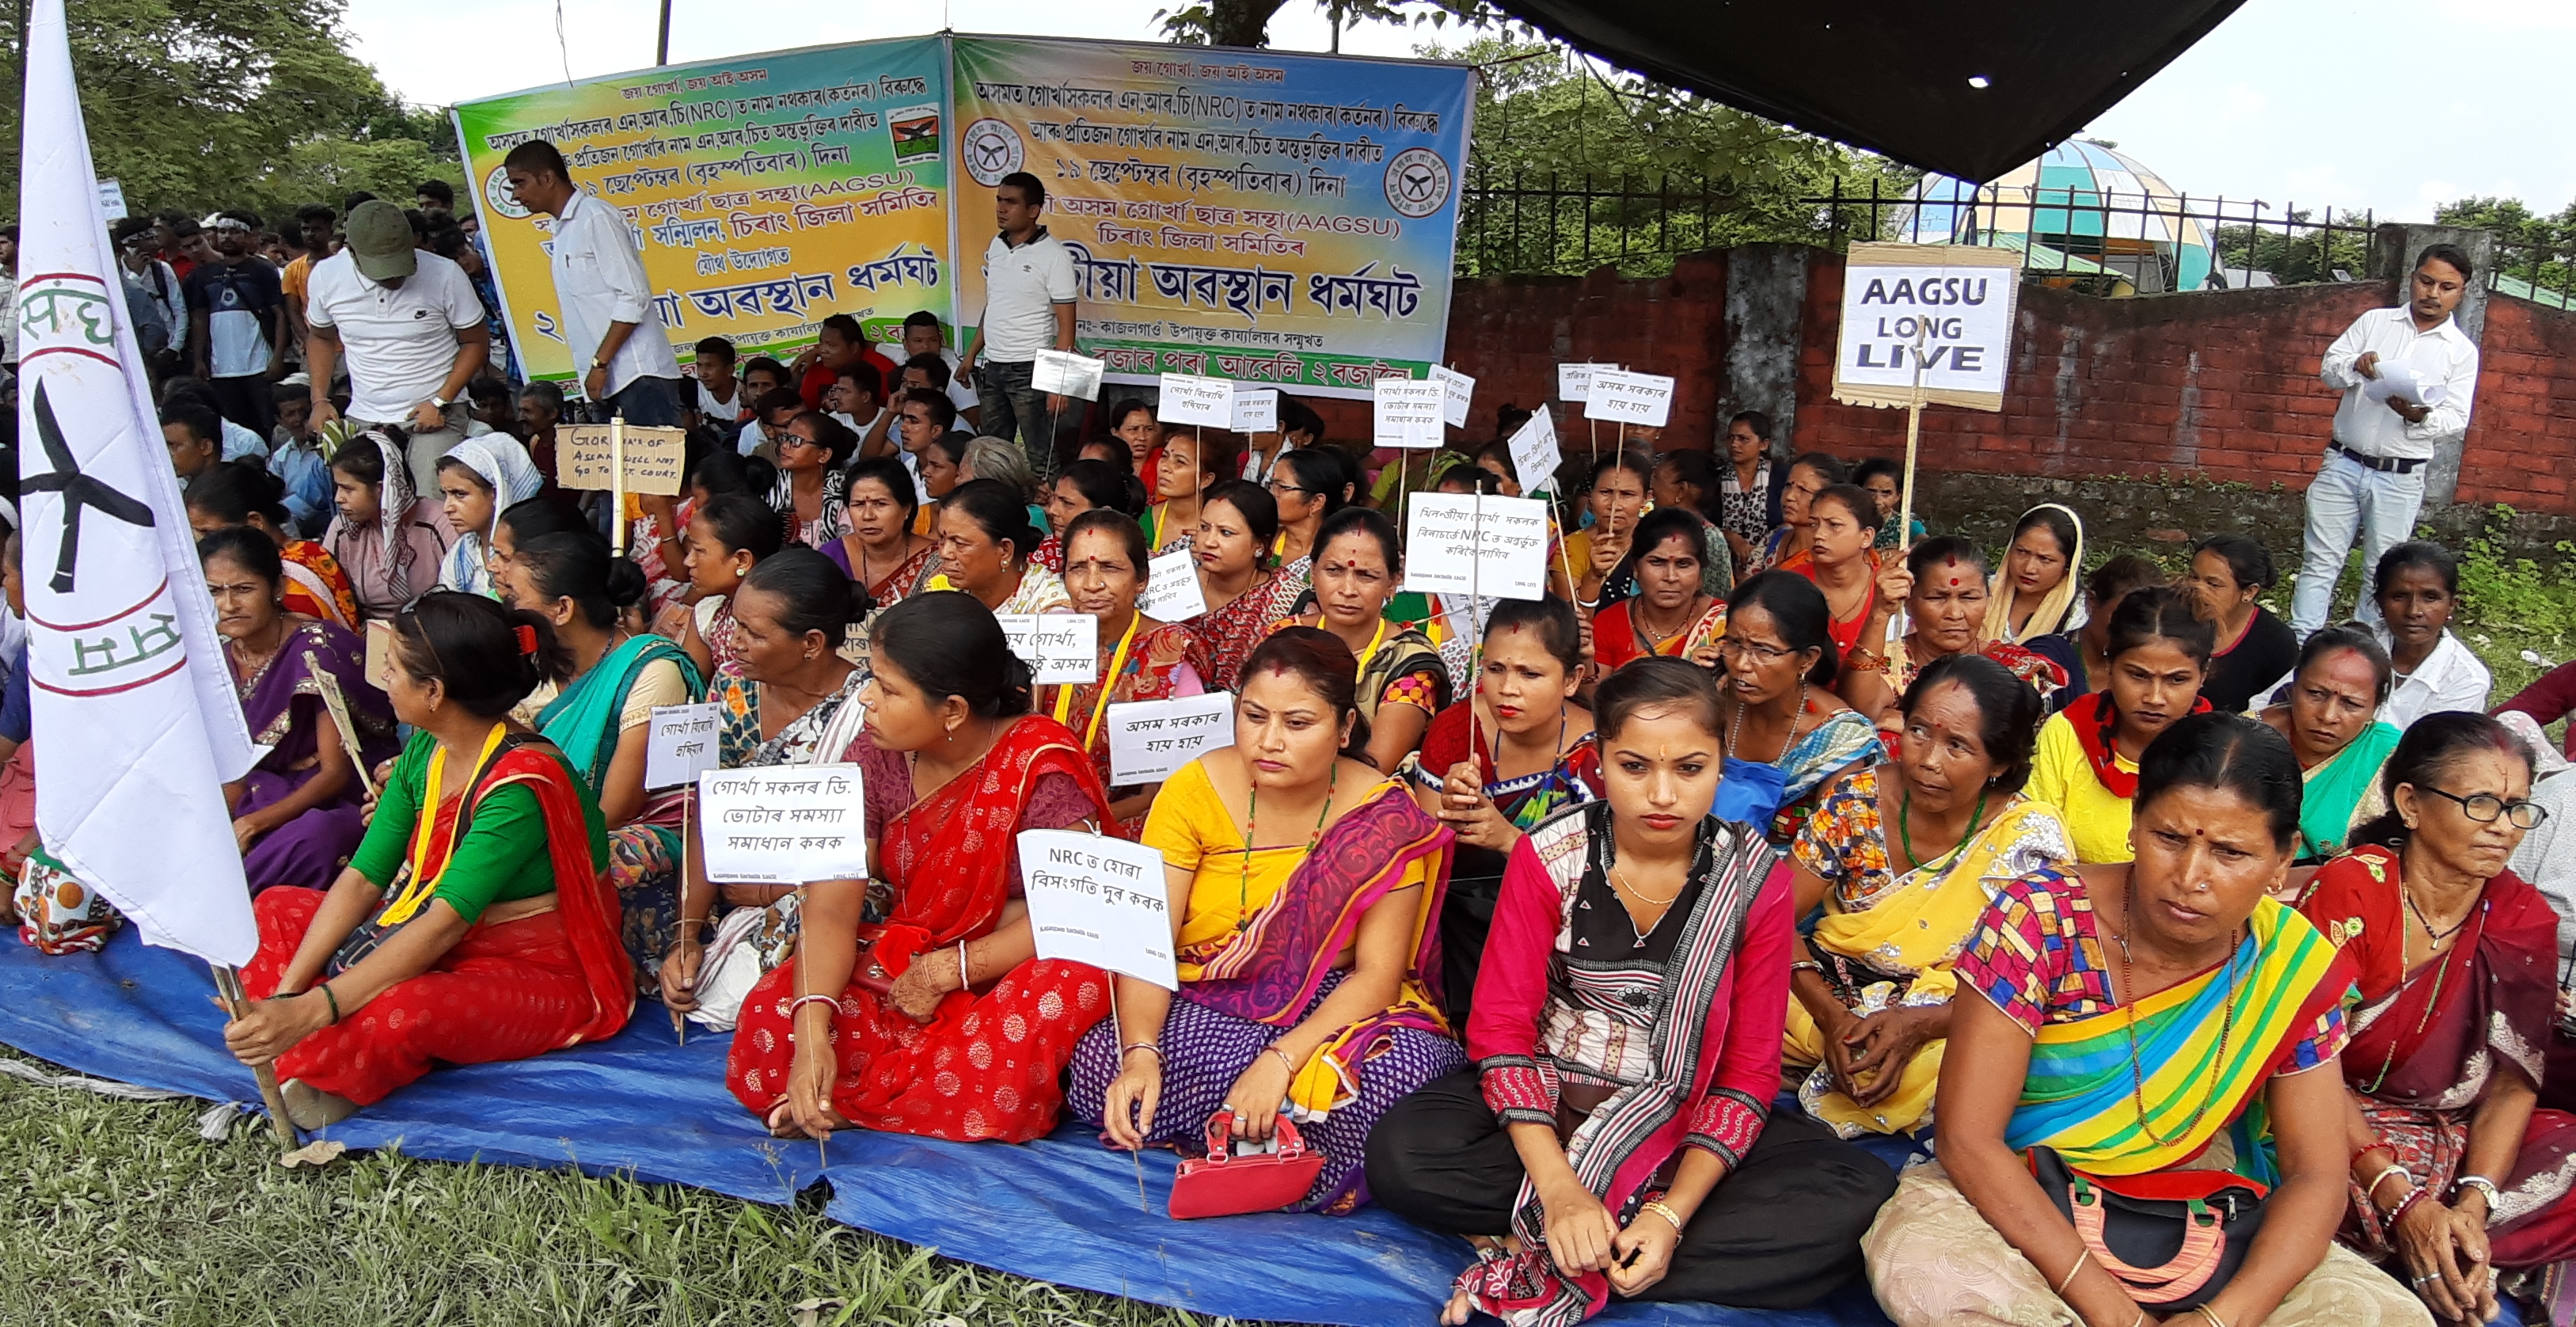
(2454, 1171)
(2160, 1028)
(1305, 922)
(500, 944)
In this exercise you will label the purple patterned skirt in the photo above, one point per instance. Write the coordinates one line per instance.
(1205, 1051)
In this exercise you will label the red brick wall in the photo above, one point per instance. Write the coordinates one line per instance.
(2522, 431)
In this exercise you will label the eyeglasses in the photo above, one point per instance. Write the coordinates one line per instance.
(1752, 649)
(2485, 807)
(1276, 487)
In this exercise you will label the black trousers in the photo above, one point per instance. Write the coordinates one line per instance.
(249, 401)
(1781, 1231)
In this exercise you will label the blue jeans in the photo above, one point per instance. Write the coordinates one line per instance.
(645, 403)
(2346, 500)
(1015, 410)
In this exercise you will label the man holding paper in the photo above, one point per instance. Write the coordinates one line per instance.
(2372, 482)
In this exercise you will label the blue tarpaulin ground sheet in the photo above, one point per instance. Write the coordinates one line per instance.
(1062, 1209)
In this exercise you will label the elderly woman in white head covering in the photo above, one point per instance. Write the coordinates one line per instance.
(480, 478)
(388, 538)
(2034, 592)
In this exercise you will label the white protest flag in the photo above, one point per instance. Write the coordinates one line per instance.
(134, 712)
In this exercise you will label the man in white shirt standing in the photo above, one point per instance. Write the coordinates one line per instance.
(606, 305)
(1028, 307)
(2372, 483)
(412, 328)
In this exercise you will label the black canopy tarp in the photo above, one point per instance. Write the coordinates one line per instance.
(1895, 77)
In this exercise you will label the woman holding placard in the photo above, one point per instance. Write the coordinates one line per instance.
(297, 817)
(1670, 613)
(942, 1021)
(1515, 752)
(1140, 658)
(1615, 1134)
(501, 940)
(1303, 921)
(881, 552)
(1402, 683)
(985, 540)
(1190, 466)
(598, 713)
(1616, 498)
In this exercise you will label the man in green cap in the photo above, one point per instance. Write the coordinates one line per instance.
(411, 328)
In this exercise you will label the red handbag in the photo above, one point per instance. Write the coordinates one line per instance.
(1223, 1184)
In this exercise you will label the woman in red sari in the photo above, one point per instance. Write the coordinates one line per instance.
(501, 944)
(1103, 553)
(1671, 612)
(2455, 1174)
(942, 1021)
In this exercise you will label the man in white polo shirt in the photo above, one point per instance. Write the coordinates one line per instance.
(412, 328)
(1028, 307)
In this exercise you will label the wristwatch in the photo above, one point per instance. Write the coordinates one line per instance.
(438, 403)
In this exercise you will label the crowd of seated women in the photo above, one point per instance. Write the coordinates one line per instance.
(1624, 933)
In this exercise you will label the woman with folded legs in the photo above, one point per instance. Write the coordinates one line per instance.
(1402, 682)
(1777, 688)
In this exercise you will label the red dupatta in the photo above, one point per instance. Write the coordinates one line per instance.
(583, 894)
(2419, 1036)
(949, 855)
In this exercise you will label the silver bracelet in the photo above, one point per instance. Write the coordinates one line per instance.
(964, 982)
(2495, 1196)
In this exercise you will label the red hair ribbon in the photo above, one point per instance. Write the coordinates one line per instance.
(527, 638)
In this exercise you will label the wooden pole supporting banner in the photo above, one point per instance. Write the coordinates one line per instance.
(617, 483)
(228, 985)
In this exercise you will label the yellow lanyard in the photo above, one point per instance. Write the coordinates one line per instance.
(1374, 642)
(1108, 681)
(422, 884)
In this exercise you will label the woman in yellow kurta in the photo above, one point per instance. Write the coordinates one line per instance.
(2087, 767)
(1904, 857)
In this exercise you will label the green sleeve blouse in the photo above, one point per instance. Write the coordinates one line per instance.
(501, 857)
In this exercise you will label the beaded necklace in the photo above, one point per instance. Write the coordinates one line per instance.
(2137, 1075)
(1251, 819)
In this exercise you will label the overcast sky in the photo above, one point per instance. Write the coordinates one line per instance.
(2393, 105)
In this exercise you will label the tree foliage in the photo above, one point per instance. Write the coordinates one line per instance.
(2298, 252)
(1247, 22)
(199, 104)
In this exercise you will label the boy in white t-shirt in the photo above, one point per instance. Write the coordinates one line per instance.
(719, 396)
(922, 335)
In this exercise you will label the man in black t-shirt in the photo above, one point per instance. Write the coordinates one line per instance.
(237, 323)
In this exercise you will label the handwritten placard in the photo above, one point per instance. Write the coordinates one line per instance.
(1065, 373)
(380, 653)
(1574, 381)
(680, 743)
(1409, 412)
(1459, 543)
(783, 824)
(1099, 900)
(1457, 392)
(1150, 739)
(1058, 647)
(1535, 455)
(653, 458)
(1190, 399)
(1256, 410)
(1630, 398)
(1172, 592)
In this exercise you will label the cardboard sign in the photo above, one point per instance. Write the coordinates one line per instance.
(1256, 410)
(1098, 900)
(1058, 647)
(1151, 739)
(1535, 454)
(1066, 374)
(783, 824)
(1460, 543)
(1937, 315)
(1189, 399)
(1457, 392)
(1172, 592)
(1410, 413)
(680, 743)
(380, 653)
(338, 705)
(1574, 381)
(653, 458)
(1630, 398)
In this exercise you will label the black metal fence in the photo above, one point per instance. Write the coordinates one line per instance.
(2544, 273)
(1529, 222)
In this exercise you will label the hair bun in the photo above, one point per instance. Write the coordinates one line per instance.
(1019, 686)
(627, 583)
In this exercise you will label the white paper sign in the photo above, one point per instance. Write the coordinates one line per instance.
(783, 824)
(1172, 592)
(1151, 739)
(1535, 455)
(680, 743)
(1574, 381)
(1410, 413)
(1630, 398)
(1058, 647)
(1457, 392)
(1067, 373)
(1098, 900)
(1459, 543)
(1256, 410)
(1189, 399)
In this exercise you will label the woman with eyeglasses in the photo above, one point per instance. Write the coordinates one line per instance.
(2455, 1175)
(1308, 485)
(812, 492)
(1788, 738)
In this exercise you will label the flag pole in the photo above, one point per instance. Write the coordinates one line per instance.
(228, 985)
(1913, 442)
(680, 1021)
(617, 483)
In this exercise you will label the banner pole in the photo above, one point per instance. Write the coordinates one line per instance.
(228, 985)
(1913, 446)
(680, 1021)
(617, 483)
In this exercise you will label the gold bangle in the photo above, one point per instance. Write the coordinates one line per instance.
(2082, 1257)
(2209, 1313)
(1658, 1207)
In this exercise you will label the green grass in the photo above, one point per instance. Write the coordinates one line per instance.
(126, 1216)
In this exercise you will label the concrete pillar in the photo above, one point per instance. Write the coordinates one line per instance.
(1766, 305)
(2392, 259)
